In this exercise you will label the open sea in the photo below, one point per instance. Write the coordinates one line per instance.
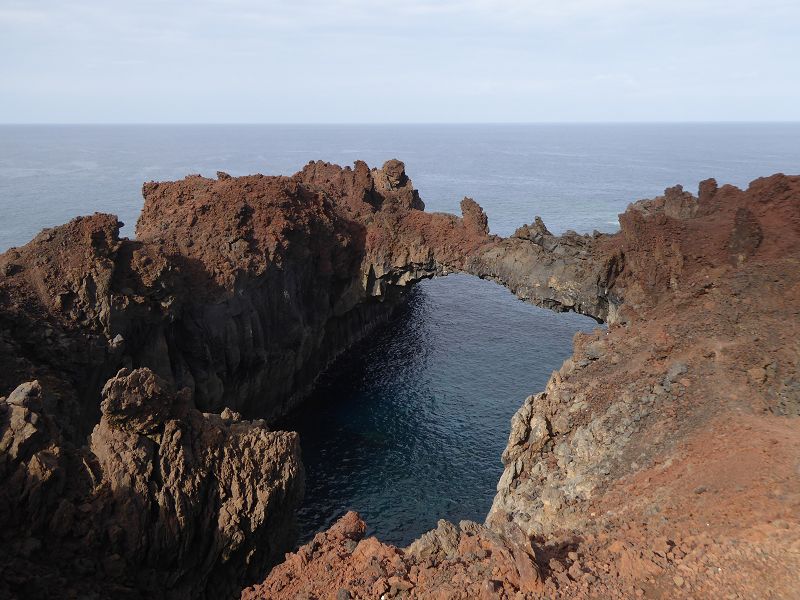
(408, 427)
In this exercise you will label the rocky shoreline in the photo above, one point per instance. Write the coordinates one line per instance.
(239, 291)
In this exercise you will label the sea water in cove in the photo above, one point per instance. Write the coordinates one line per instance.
(409, 426)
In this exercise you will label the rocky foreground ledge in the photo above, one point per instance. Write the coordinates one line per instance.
(660, 460)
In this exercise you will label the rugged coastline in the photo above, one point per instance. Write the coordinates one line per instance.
(661, 460)
(238, 291)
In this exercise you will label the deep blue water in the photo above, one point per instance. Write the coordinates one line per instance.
(408, 427)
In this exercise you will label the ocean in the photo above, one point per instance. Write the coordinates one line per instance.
(409, 426)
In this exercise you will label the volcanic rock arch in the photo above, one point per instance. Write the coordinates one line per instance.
(238, 291)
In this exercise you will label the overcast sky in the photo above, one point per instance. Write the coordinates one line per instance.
(366, 61)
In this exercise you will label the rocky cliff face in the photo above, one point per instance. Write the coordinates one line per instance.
(244, 289)
(236, 294)
(695, 277)
(564, 273)
(294, 270)
(238, 291)
(661, 459)
(241, 289)
(165, 501)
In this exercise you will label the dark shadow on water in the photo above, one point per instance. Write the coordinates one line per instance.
(408, 427)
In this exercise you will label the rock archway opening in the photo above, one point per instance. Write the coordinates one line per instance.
(408, 426)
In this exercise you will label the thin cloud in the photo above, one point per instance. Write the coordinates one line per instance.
(418, 60)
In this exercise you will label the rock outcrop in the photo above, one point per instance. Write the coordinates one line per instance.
(165, 501)
(241, 289)
(564, 273)
(691, 290)
(661, 459)
(292, 272)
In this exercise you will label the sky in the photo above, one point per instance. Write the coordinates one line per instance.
(398, 61)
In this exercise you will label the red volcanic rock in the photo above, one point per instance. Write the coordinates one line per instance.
(449, 562)
(664, 441)
(474, 217)
(664, 252)
(644, 454)
(178, 477)
(241, 289)
(619, 444)
(338, 245)
(244, 289)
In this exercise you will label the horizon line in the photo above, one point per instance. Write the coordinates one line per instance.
(392, 123)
